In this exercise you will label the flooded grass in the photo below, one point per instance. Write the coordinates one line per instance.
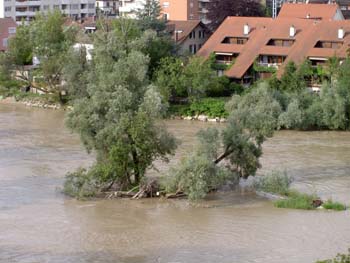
(329, 204)
(297, 200)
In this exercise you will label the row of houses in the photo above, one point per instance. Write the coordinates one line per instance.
(25, 10)
(256, 47)
(301, 31)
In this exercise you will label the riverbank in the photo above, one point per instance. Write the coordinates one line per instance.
(35, 102)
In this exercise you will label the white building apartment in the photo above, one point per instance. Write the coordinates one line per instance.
(25, 10)
(108, 7)
(129, 8)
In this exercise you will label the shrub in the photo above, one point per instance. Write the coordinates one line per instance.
(208, 106)
(79, 184)
(329, 204)
(340, 258)
(196, 176)
(297, 200)
(276, 182)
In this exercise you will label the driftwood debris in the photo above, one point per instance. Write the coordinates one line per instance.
(147, 189)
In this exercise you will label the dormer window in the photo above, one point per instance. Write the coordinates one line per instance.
(329, 44)
(280, 42)
(235, 40)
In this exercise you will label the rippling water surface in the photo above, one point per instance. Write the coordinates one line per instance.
(38, 224)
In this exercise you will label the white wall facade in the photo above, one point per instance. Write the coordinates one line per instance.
(129, 8)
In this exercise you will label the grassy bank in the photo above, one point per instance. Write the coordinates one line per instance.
(279, 183)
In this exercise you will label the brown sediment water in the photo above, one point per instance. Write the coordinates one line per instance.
(39, 224)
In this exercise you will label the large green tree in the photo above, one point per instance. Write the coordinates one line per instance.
(51, 42)
(253, 118)
(118, 118)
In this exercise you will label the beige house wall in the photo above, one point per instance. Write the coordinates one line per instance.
(184, 47)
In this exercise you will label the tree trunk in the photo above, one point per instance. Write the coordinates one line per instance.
(223, 156)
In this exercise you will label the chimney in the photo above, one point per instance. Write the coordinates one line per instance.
(341, 33)
(246, 29)
(292, 31)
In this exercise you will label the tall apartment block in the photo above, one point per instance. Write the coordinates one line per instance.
(25, 10)
(185, 9)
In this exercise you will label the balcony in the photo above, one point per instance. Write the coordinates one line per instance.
(28, 3)
(266, 67)
(25, 13)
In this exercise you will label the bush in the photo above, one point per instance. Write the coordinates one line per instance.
(276, 182)
(329, 204)
(80, 184)
(223, 87)
(196, 176)
(340, 258)
(297, 200)
(208, 106)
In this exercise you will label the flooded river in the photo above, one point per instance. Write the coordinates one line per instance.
(38, 224)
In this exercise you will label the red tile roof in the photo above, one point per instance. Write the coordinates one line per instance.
(183, 26)
(308, 33)
(5, 24)
(314, 11)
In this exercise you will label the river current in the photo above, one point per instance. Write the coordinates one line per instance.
(38, 224)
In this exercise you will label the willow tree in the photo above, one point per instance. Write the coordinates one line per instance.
(118, 118)
(235, 151)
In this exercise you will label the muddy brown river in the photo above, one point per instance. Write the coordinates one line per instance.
(38, 224)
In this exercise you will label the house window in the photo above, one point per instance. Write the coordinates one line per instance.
(12, 30)
(46, 7)
(200, 34)
(194, 49)
(8, 9)
(91, 6)
(191, 49)
(4, 42)
(166, 4)
(193, 34)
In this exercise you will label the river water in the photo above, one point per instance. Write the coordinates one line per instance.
(38, 224)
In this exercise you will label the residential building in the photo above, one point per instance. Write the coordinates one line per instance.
(185, 9)
(260, 45)
(7, 29)
(129, 8)
(108, 7)
(25, 10)
(344, 5)
(189, 35)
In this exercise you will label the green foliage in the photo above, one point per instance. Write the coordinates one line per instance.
(169, 78)
(80, 184)
(297, 200)
(211, 107)
(290, 80)
(21, 46)
(75, 73)
(149, 16)
(331, 205)
(340, 258)
(178, 78)
(223, 87)
(118, 117)
(260, 68)
(275, 182)
(196, 175)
